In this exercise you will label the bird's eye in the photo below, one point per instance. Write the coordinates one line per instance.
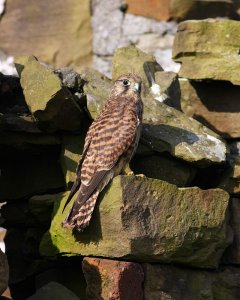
(126, 82)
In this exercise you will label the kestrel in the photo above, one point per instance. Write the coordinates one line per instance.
(109, 146)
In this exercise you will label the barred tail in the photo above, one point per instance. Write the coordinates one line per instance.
(80, 215)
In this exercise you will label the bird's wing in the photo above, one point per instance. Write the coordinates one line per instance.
(77, 182)
(111, 139)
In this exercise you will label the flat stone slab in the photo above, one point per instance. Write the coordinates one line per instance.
(143, 219)
(208, 49)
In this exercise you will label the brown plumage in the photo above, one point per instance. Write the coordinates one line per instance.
(109, 146)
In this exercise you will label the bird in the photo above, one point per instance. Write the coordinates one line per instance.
(109, 145)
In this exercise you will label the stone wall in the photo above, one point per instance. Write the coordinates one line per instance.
(171, 233)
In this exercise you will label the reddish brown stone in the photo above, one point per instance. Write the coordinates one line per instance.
(156, 9)
(113, 280)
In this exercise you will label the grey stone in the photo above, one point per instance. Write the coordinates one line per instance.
(166, 282)
(53, 291)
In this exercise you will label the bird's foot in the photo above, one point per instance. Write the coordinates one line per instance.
(127, 171)
(140, 175)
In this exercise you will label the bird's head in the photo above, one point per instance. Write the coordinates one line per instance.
(127, 85)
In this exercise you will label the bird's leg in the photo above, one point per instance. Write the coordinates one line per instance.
(127, 171)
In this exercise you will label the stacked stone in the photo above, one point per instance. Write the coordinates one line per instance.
(147, 233)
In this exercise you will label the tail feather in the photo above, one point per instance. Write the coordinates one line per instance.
(80, 215)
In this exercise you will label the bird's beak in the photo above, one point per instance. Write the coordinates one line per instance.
(137, 87)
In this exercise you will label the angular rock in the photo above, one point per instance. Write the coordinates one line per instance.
(67, 272)
(165, 128)
(214, 104)
(163, 167)
(169, 282)
(69, 23)
(97, 88)
(182, 10)
(136, 59)
(53, 291)
(4, 272)
(208, 49)
(230, 180)
(12, 122)
(158, 10)
(47, 99)
(72, 147)
(153, 221)
(232, 254)
(115, 280)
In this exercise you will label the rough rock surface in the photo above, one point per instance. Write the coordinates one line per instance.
(163, 282)
(53, 291)
(158, 10)
(153, 221)
(215, 104)
(230, 180)
(72, 146)
(46, 98)
(69, 22)
(97, 89)
(163, 167)
(165, 10)
(4, 272)
(208, 49)
(200, 9)
(110, 279)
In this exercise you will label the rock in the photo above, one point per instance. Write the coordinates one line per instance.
(136, 59)
(47, 99)
(4, 272)
(232, 254)
(97, 88)
(200, 9)
(72, 147)
(69, 23)
(173, 9)
(11, 122)
(25, 175)
(165, 128)
(208, 49)
(115, 280)
(107, 19)
(158, 10)
(169, 282)
(29, 142)
(41, 207)
(230, 180)
(153, 221)
(67, 272)
(214, 104)
(53, 291)
(163, 167)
